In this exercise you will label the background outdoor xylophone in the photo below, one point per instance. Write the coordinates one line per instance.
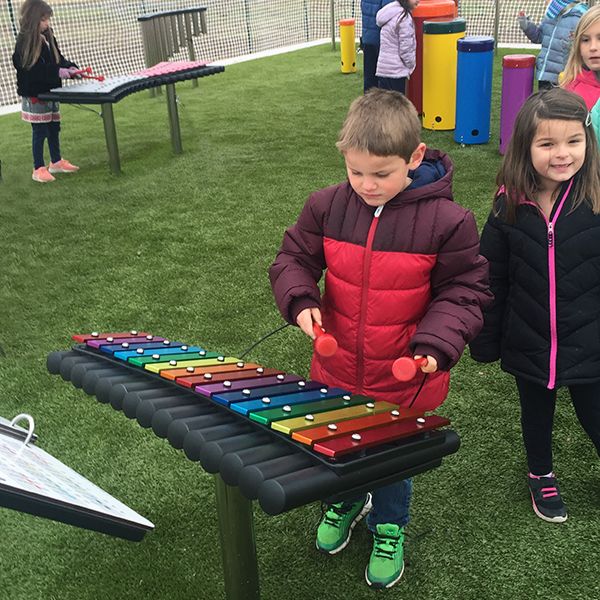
(269, 435)
(112, 89)
(165, 33)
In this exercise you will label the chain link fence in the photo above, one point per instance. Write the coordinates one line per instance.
(105, 34)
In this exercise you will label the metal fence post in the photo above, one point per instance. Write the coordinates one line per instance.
(306, 27)
(248, 32)
(332, 18)
(496, 24)
(11, 14)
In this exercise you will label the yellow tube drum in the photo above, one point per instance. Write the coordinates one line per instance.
(440, 57)
(348, 45)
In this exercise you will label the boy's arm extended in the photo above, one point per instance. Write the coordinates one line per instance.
(299, 265)
(460, 290)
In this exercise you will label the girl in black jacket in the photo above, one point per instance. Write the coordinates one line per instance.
(542, 240)
(40, 67)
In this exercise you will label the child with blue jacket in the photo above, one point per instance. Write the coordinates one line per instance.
(370, 40)
(555, 34)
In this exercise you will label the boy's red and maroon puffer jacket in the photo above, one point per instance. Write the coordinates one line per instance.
(408, 281)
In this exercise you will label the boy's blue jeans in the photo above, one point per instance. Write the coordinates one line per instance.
(391, 504)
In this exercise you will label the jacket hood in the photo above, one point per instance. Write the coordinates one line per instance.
(388, 12)
(432, 179)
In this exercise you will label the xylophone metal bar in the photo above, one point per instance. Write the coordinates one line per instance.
(174, 32)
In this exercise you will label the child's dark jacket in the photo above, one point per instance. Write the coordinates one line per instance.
(548, 334)
(43, 75)
(409, 281)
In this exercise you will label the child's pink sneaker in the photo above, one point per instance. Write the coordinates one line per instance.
(62, 166)
(42, 175)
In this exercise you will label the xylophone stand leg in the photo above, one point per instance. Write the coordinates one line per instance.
(110, 133)
(238, 548)
(174, 119)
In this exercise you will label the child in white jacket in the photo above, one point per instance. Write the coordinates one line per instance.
(398, 46)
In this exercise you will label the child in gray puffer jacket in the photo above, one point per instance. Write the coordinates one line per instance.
(555, 34)
(398, 45)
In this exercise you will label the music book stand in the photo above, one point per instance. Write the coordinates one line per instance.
(32, 481)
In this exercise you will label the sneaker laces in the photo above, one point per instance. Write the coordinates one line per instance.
(335, 513)
(385, 546)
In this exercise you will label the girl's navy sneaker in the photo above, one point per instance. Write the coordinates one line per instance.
(546, 500)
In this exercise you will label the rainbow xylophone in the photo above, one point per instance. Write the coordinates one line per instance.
(269, 435)
(263, 414)
(113, 89)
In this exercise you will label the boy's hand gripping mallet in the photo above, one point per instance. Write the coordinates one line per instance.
(405, 367)
(325, 343)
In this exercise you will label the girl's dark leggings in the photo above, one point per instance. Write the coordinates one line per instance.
(40, 132)
(537, 417)
(396, 85)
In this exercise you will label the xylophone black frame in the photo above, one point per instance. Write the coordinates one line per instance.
(367, 458)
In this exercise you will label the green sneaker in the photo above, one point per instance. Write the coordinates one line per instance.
(386, 564)
(338, 522)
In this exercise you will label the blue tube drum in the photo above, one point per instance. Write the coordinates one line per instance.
(474, 89)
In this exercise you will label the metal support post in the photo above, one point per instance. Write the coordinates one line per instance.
(174, 119)
(110, 133)
(238, 548)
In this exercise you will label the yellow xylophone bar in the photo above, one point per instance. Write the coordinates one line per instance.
(289, 426)
(163, 367)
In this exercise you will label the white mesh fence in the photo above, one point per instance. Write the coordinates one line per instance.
(105, 34)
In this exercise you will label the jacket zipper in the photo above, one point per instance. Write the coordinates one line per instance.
(360, 336)
(543, 71)
(551, 238)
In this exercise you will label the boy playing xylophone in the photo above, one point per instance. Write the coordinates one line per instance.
(404, 276)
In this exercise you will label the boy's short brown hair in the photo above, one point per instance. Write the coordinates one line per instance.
(381, 122)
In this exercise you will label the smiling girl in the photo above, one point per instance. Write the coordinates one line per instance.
(542, 240)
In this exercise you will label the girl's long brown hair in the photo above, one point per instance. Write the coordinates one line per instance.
(517, 174)
(32, 12)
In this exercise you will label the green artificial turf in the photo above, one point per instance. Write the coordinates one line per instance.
(180, 246)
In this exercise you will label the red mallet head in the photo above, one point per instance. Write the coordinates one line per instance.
(325, 343)
(405, 367)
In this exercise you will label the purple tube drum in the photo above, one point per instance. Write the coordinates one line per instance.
(517, 86)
